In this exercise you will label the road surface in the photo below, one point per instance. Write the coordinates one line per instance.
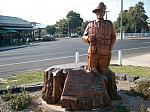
(46, 54)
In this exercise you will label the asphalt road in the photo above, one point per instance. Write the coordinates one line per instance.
(46, 54)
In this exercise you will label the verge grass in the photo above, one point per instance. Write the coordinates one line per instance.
(131, 70)
(37, 76)
(23, 79)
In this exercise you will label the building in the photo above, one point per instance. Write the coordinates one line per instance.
(14, 29)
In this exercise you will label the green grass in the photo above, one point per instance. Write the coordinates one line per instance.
(132, 70)
(38, 76)
(24, 78)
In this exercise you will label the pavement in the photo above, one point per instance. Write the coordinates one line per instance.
(16, 47)
(12, 47)
(140, 60)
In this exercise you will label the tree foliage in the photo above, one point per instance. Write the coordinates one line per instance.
(134, 19)
(62, 26)
(50, 29)
(74, 20)
(80, 29)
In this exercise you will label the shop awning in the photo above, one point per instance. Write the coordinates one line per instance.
(18, 29)
(2, 32)
(11, 31)
(7, 31)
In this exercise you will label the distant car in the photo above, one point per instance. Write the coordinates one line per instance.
(48, 37)
(74, 35)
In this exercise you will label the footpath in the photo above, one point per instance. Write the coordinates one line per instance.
(140, 60)
(12, 47)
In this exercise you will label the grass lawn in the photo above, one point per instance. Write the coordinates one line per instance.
(132, 70)
(37, 76)
(23, 78)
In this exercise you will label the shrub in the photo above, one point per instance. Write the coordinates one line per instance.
(7, 96)
(122, 108)
(143, 88)
(20, 102)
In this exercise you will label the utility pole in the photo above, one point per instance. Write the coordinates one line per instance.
(121, 28)
(68, 28)
(106, 14)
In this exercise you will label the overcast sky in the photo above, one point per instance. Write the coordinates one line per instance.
(48, 12)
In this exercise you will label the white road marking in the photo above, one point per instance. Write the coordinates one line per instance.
(36, 61)
(63, 57)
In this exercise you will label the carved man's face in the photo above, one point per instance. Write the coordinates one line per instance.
(100, 14)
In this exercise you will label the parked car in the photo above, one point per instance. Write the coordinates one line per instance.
(74, 35)
(48, 37)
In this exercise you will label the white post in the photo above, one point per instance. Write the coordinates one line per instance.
(120, 57)
(76, 57)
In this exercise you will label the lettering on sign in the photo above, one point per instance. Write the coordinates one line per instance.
(80, 83)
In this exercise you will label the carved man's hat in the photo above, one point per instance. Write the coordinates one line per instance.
(101, 6)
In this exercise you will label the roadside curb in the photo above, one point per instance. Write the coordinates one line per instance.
(134, 38)
(11, 48)
(29, 88)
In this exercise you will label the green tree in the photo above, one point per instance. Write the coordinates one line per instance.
(50, 29)
(134, 19)
(80, 29)
(148, 24)
(138, 17)
(62, 26)
(74, 21)
(125, 23)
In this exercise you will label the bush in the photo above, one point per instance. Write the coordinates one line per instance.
(143, 88)
(122, 108)
(20, 102)
(7, 96)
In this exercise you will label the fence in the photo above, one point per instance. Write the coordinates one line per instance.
(133, 35)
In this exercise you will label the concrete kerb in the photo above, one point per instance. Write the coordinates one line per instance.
(12, 47)
(29, 88)
(140, 60)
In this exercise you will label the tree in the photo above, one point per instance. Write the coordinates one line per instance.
(80, 29)
(125, 23)
(50, 29)
(148, 24)
(134, 19)
(74, 21)
(62, 26)
(138, 17)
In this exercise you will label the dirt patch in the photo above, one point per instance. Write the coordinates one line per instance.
(134, 104)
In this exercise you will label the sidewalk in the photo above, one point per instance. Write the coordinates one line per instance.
(140, 60)
(12, 47)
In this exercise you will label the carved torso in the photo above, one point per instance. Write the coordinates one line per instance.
(102, 34)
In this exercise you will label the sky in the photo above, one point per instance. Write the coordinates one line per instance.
(47, 12)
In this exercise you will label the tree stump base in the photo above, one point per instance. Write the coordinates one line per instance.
(76, 89)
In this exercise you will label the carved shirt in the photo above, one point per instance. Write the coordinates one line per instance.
(102, 36)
